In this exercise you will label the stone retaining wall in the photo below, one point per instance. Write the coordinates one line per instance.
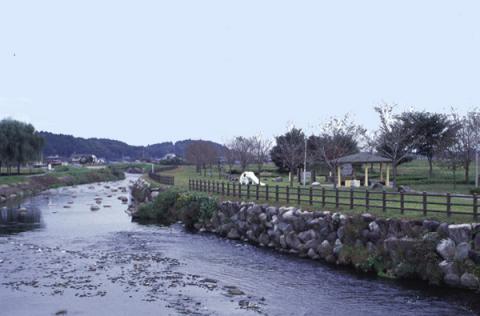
(439, 253)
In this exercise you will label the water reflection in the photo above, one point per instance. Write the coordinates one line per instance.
(19, 218)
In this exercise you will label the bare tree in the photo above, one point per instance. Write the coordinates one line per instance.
(229, 154)
(202, 154)
(395, 141)
(451, 157)
(468, 137)
(338, 137)
(261, 150)
(243, 150)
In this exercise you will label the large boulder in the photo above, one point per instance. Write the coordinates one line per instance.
(452, 280)
(469, 281)
(325, 249)
(476, 242)
(446, 249)
(293, 242)
(460, 233)
(307, 235)
(461, 251)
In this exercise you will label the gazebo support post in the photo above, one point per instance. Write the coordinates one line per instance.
(387, 181)
(339, 177)
(381, 172)
(366, 175)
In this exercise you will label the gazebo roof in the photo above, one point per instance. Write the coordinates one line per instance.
(363, 158)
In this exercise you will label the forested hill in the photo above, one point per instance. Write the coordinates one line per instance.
(66, 145)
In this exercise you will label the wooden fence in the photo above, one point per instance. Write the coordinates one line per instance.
(167, 180)
(448, 204)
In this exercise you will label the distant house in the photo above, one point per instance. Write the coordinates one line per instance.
(169, 156)
(54, 160)
(84, 159)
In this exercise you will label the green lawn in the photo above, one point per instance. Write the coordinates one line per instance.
(413, 174)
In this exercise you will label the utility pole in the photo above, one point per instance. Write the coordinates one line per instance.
(305, 164)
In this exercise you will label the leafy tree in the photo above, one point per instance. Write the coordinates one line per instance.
(289, 151)
(19, 144)
(436, 132)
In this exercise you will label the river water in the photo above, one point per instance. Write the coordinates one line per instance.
(58, 257)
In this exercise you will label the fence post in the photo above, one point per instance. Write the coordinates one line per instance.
(298, 195)
(223, 188)
(248, 191)
(402, 202)
(288, 194)
(266, 192)
(384, 201)
(240, 190)
(351, 198)
(336, 198)
(257, 192)
(228, 188)
(276, 193)
(208, 186)
(234, 191)
(475, 206)
(449, 205)
(310, 198)
(323, 197)
(367, 200)
(424, 203)
(218, 187)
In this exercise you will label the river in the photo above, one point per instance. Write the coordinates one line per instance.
(58, 257)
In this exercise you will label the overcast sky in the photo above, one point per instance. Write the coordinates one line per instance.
(151, 71)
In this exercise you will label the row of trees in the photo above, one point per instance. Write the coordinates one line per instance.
(244, 150)
(451, 139)
(19, 144)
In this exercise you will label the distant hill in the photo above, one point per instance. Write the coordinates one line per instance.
(66, 145)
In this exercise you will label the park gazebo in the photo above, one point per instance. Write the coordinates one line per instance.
(366, 160)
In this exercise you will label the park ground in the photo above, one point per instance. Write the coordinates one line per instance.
(413, 174)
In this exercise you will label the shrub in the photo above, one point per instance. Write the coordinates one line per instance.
(162, 210)
(195, 208)
(173, 205)
(475, 191)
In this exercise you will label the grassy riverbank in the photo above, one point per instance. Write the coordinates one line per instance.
(12, 187)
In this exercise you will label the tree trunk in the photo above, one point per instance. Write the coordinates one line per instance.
(430, 167)
(314, 176)
(290, 178)
(467, 171)
(18, 168)
(454, 178)
(394, 175)
(299, 175)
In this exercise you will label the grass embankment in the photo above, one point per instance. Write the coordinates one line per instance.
(14, 186)
(413, 174)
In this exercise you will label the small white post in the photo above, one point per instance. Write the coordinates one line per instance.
(153, 168)
(305, 165)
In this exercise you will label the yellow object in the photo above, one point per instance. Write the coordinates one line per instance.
(339, 176)
(387, 182)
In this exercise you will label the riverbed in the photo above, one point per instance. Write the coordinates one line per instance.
(60, 256)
